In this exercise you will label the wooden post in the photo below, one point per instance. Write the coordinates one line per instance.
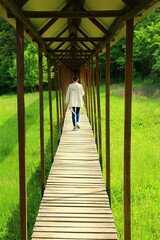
(21, 130)
(108, 120)
(60, 97)
(94, 105)
(91, 90)
(57, 98)
(88, 92)
(50, 108)
(127, 128)
(99, 110)
(62, 91)
(41, 119)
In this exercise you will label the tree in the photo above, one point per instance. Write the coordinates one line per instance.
(7, 48)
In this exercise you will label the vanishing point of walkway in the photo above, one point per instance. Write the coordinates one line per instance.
(75, 204)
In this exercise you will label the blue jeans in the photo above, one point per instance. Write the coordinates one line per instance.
(75, 115)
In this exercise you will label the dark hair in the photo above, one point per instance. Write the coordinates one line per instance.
(75, 77)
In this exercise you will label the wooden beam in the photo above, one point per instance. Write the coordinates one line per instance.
(31, 30)
(72, 14)
(53, 20)
(74, 39)
(57, 97)
(50, 107)
(21, 130)
(59, 46)
(127, 129)
(94, 103)
(99, 110)
(21, 3)
(43, 183)
(71, 51)
(85, 35)
(118, 23)
(59, 34)
(92, 19)
(85, 46)
(108, 120)
(131, 3)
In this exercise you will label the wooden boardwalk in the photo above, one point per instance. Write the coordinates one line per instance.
(75, 204)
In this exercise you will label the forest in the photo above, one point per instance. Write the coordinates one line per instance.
(146, 57)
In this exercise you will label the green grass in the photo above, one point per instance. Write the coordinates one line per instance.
(145, 167)
(9, 163)
(145, 164)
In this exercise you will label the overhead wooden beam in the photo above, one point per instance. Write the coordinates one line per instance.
(92, 19)
(59, 34)
(85, 35)
(53, 20)
(31, 30)
(72, 14)
(72, 50)
(21, 3)
(85, 45)
(119, 23)
(67, 39)
(131, 3)
(59, 46)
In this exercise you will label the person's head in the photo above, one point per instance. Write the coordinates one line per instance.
(75, 78)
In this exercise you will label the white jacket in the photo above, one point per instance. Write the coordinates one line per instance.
(74, 95)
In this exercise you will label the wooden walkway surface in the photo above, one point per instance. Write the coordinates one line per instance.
(75, 204)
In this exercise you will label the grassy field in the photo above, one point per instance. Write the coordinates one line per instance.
(9, 163)
(145, 162)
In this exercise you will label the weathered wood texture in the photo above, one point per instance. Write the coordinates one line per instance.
(75, 204)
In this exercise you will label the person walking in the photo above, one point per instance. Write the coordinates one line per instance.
(74, 99)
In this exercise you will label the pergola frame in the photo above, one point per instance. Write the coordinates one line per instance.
(63, 66)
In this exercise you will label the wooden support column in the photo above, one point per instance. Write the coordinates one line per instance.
(63, 97)
(91, 91)
(50, 107)
(41, 119)
(57, 98)
(60, 96)
(88, 92)
(94, 105)
(127, 128)
(86, 89)
(99, 110)
(21, 130)
(108, 120)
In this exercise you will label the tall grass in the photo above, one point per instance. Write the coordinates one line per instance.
(145, 164)
(9, 163)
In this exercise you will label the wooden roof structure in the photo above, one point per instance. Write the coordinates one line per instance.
(74, 31)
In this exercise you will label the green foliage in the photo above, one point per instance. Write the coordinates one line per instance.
(7, 48)
(31, 78)
(145, 164)
(146, 54)
(9, 164)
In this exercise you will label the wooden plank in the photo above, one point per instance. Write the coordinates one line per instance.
(73, 224)
(65, 235)
(75, 204)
